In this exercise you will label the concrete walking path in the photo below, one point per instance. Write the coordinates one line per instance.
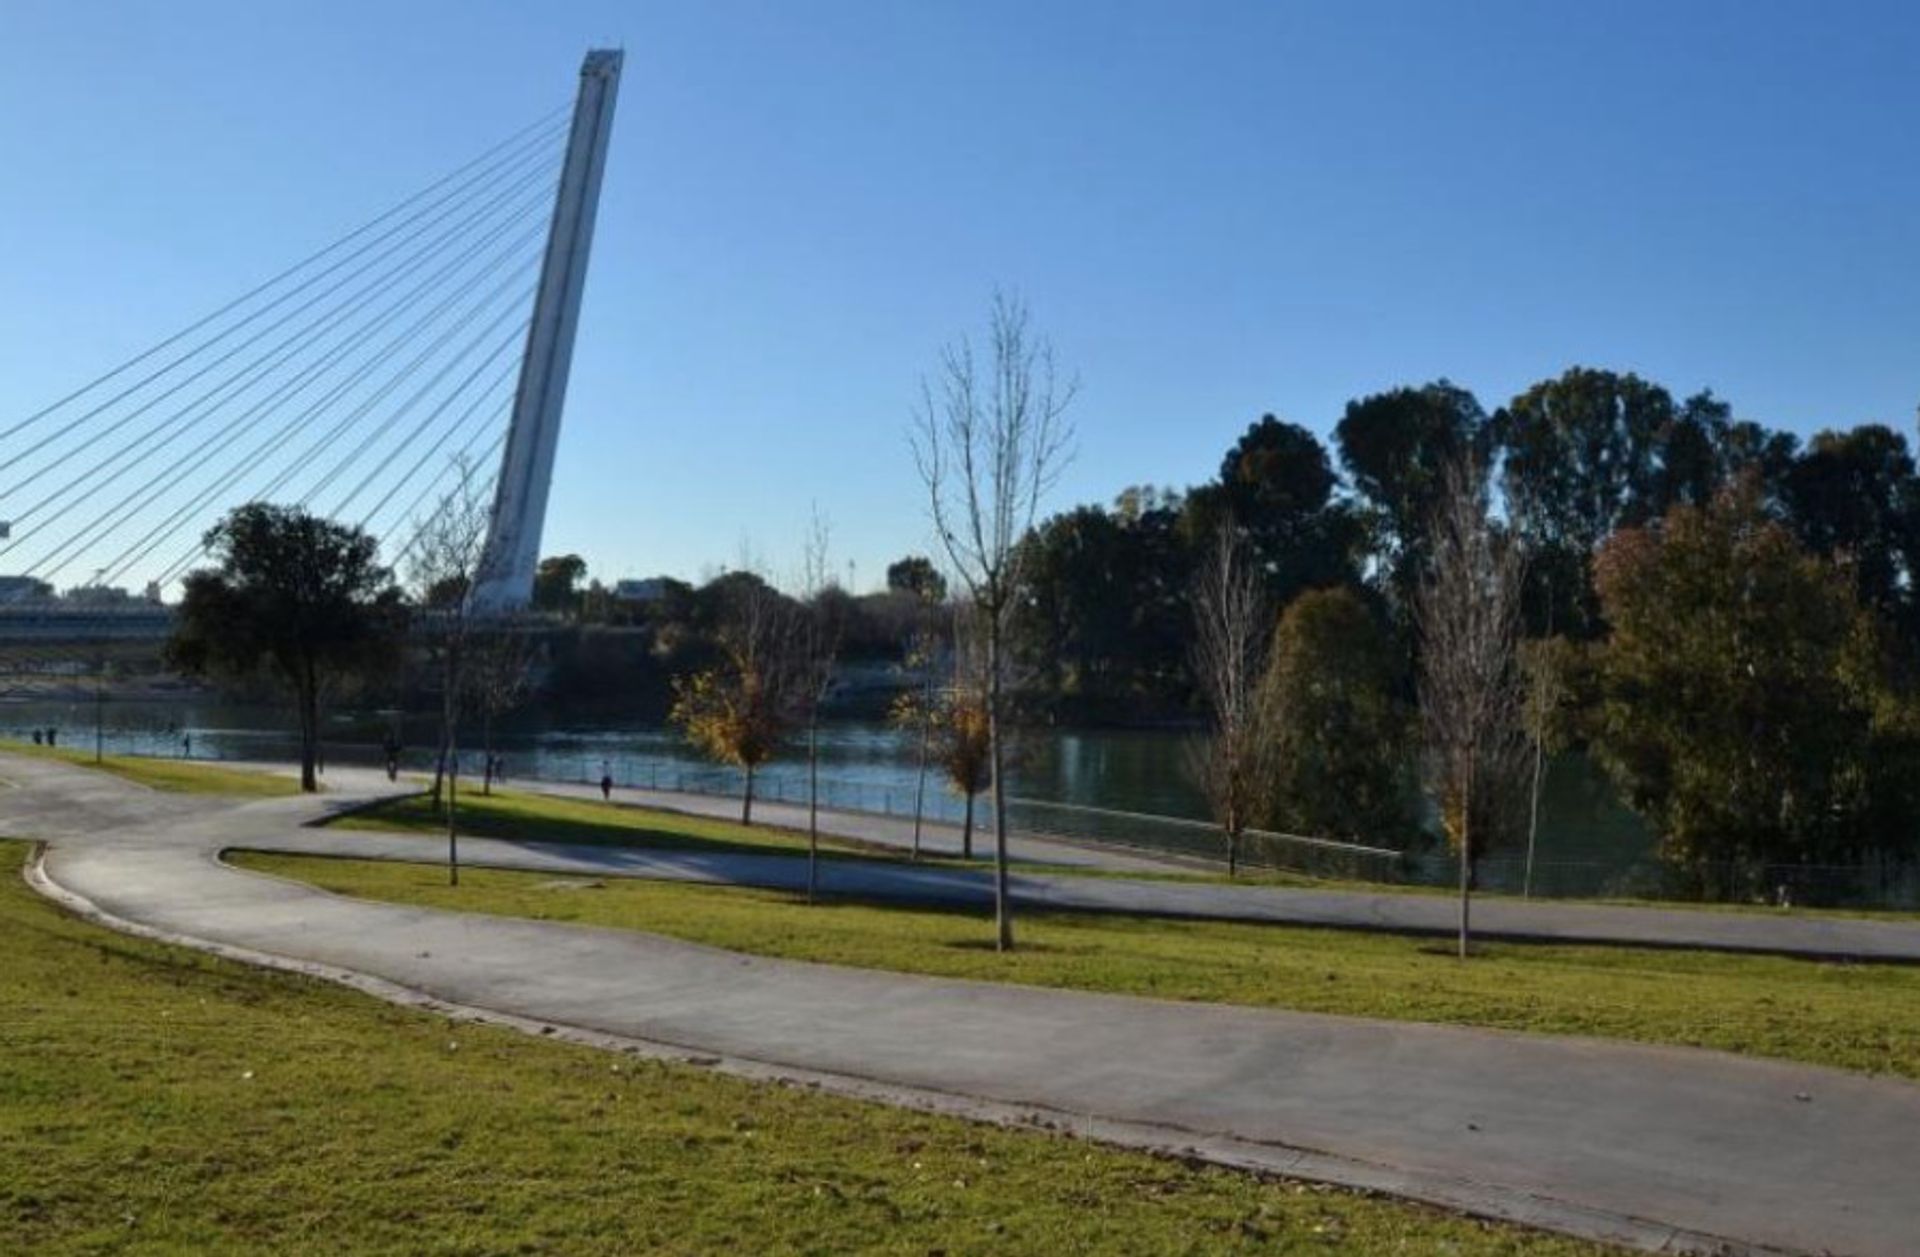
(1667, 1148)
(1556, 921)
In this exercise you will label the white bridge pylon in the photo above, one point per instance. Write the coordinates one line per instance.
(512, 551)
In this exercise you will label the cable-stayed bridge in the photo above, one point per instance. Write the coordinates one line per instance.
(430, 343)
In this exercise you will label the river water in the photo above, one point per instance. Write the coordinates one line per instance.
(863, 764)
(1132, 771)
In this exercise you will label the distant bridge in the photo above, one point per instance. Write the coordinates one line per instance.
(55, 624)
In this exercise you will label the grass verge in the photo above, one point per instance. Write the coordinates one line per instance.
(157, 1100)
(1860, 1017)
(520, 817)
(527, 817)
(186, 776)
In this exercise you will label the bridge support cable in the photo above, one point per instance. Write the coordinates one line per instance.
(94, 435)
(285, 439)
(342, 377)
(421, 524)
(512, 311)
(305, 458)
(238, 427)
(493, 421)
(451, 186)
(495, 392)
(383, 465)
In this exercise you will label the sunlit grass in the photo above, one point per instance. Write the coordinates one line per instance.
(157, 1100)
(1852, 1016)
(521, 817)
(185, 776)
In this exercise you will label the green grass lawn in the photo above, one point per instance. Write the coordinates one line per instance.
(1861, 1017)
(525, 817)
(1304, 881)
(190, 776)
(157, 1100)
(519, 817)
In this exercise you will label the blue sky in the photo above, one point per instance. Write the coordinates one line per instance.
(1215, 209)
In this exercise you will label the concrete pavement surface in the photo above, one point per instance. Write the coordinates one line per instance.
(1669, 1149)
(1557, 921)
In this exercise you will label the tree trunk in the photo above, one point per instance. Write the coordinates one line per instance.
(1466, 860)
(1002, 910)
(453, 832)
(966, 832)
(746, 799)
(486, 736)
(813, 803)
(1533, 822)
(1233, 854)
(920, 783)
(309, 699)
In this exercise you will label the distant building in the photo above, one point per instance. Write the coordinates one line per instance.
(652, 589)
(18, 589)
(97, 596)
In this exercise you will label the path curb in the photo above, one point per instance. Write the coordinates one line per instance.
(1465, 1196)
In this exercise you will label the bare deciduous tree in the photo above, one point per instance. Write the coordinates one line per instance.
(819, 654)
(1229, 657)
(499, 673)
(915, 711)
(989, 440)
(443, 560)
(1472, 685)
(962, 741)
(1546, 689)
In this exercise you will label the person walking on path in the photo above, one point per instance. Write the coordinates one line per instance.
(606, 786)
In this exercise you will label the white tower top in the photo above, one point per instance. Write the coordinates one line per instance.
(526, 465)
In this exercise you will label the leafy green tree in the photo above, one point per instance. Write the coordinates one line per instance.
(1851, 497)
(296, 597)
(1744, 709)
(1075, 601)
(1395, 447)
(556, 583)
(1277, 485)
(1103, 611)
(917, 575)
(1340, 736)
(1580, 457)
(1582, 454)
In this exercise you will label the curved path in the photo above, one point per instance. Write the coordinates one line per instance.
(1555, 921)
(1670, 1149)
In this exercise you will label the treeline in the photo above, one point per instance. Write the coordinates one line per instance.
(1576, 459)
(1727, 619)
(627, 650)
